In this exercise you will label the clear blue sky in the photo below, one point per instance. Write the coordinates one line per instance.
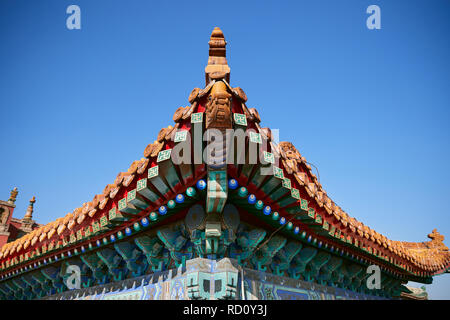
(370, 108)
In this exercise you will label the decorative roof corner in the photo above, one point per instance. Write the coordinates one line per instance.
(437, 240)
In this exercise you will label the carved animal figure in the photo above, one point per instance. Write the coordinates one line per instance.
(218, 107)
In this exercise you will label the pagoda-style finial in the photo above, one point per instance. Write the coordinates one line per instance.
(12, 198)
(217, 67)
(29, 214)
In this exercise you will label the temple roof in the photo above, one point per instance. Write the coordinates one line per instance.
(431, 257)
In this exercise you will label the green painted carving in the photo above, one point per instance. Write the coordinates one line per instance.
(175, 240)
(383, 291)
(283, 195)
(312, 269)
(325, 276)
(337, 278)
(299, 262)
(16, 292)
(358, 282)
(172, 239)
(398, 289)
(287, 201)
(11, 286)
(114, 262)
(198, 240)
(283, 258)
(350, 271)
(3, 289)
(127, 208)
(21, 288)
(217, 246)
(272, 187)
(258, 178)
(153, 248)
(12, 290)
(35, 286)
(26, 292)
(394, 288)
(246, 243)
(135, 260)
(269, 179)
(7, 294)
(349, 276)
(389, 286)
(247, 169)
(19, 283)
(98, 268)
(135, 199)
(226, 239)
(45, 284)
(115, 217)
(263, 256)
(53, 274)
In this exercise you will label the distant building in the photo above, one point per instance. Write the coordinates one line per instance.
(12, 228)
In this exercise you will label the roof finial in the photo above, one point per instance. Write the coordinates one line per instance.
(12, 198)
(29, 214)
(217, 67)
